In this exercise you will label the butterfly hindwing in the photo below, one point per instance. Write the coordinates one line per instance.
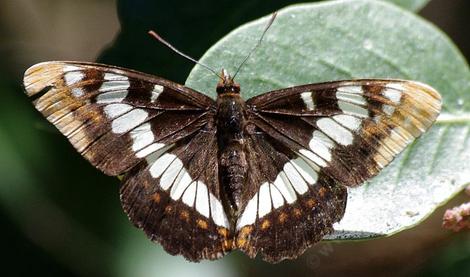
(114, 117)
(291, 204)
(175, 198)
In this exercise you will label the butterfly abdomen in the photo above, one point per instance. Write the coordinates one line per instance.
(231, 122)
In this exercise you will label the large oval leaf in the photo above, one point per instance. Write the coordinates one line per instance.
(364, 39)
(413, 5)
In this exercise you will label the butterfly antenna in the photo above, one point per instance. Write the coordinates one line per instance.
(167, 44)
(257, 44)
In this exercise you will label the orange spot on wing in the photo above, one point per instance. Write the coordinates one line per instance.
(297, 212)
(311, 203)
(282, 217)
(184, 215)
(202, 224)
(243, 236)
(168, 209)
(222, 231)
(266, 224)
(227, 244)
(156, 197)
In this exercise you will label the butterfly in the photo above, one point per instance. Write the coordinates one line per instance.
(203, 177)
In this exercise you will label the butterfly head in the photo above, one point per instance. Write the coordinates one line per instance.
(226, 84)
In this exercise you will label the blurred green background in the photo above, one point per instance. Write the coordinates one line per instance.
(61, 217)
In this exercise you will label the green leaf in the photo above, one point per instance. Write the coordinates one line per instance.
(412, 5)
(364, 39)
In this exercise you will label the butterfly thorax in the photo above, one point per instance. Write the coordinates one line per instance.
(231, 122)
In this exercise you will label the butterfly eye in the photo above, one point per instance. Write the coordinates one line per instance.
(236, 88)
(220, 88)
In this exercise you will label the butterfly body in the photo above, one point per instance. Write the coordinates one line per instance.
(231, 125)
(203, 177)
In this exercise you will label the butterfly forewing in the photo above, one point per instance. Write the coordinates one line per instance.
(114, 117)
(365, 125)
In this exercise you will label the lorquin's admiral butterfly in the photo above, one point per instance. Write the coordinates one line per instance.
(203, 177)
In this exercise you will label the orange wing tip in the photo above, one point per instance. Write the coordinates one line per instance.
(43, 75)
(426, 88)
(433, 96)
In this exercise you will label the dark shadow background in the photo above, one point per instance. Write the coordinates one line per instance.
(61, 217)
